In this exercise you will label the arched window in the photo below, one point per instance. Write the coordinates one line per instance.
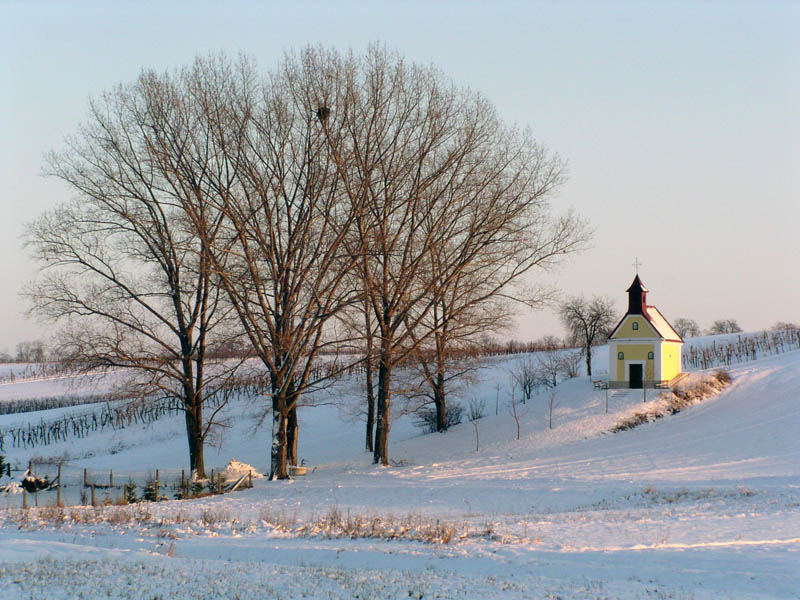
(621, 355)
(635, 326)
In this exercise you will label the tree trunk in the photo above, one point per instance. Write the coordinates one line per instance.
(370, 391)
(589, 360)
(194, 426)
(291, 434)
(381, 452)
(439, 401)
(280, 421)
(193, 415)
(438, 379)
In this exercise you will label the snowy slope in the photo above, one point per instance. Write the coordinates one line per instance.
(702, 504)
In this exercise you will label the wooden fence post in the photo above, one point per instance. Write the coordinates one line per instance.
(59, 503)
(250, 478)
(156, 485)
(85, 479)
(24, 498)
(111, 478)
(94, 502)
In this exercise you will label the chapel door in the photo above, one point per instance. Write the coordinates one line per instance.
(636, 376)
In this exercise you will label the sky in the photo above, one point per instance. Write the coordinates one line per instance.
(679, 121)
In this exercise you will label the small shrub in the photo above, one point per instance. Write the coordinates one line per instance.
(723, 377)
(197, 487)
(150, 492)
(216, 485)
(425, 417)
(52, 514)
(477, 409)
(210, 517)
(129, 489)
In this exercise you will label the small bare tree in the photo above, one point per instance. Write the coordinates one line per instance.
(587, 323)
(687, 328)
(549, 367)
(570, 363)
(526, 376)
(514, 409)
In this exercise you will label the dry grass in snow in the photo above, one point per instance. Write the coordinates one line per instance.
(332, 525)
(693, 389)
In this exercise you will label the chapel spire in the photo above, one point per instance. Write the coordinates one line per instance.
(637, 297)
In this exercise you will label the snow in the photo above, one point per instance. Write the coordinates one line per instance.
(701, 504)
(663, 328)
(235, 469)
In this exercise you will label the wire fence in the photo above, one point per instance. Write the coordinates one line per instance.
(52, 484)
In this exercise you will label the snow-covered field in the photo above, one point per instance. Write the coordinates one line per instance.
(701, 504)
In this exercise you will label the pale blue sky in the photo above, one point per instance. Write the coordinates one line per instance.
(680, 122)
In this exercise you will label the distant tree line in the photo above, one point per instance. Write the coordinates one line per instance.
(26, 352)
(688, 328)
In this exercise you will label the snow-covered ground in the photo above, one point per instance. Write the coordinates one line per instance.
(701, 504)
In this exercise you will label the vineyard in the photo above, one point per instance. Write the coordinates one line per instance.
(746, 348)
(115, 415)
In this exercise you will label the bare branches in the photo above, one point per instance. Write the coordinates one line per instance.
(588, 323)
(453, 205)
(214, 200)
(122, 267)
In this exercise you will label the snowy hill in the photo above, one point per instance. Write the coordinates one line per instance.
(701, 504)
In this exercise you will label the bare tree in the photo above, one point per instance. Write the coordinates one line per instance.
(570, 363)
(549, 367)
(687, 328)
(724, 326)
(441, 184)
(514, 409)
(526, 375)
(281, 254)
(587, 323)
(121, 267)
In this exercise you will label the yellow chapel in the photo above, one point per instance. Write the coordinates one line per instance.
(643, 349)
